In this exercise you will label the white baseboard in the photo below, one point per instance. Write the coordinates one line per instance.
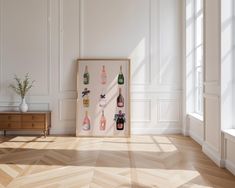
(71, 131)
(230, 166)
(66, 131)
(213, 155)
(185, 132)
(196, 137)
(152, 131)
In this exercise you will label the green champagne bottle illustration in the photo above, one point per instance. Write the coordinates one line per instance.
(120, 77)
(86, 76)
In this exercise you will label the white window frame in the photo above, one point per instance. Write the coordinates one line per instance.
(198, 85)
(233, 58)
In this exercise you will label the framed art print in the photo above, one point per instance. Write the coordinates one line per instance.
(103, 103)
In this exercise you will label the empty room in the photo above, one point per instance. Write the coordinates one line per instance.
(117, 93)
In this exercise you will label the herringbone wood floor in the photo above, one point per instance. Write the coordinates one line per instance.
(139, 161)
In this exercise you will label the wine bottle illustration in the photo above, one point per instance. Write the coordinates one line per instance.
(102, 122)
(86, 77)
(85, 96)
(86, 122)
(120, 120)
(102, 101)
(120, 99)
(120, 77)
(103, 75)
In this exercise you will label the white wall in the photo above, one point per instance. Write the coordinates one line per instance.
(228, 149)
(212, 142)
(216, 134)
(196, 128)
(45, 37)
(227, 83)
(227, 61)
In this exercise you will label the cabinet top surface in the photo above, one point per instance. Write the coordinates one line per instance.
(29, 112)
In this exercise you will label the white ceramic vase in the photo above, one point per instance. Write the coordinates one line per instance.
(23, 106)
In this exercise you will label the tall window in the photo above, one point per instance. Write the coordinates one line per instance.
(198, 56)
(194, 56)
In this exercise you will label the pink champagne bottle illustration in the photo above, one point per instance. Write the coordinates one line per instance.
(102, 122)
(86, 122)
(120, 99)
(103, 75)
(120, 120)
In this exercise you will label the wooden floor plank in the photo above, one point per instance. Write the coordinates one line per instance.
(136, 162)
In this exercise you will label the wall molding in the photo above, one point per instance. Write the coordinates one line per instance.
(134, 90)
(48, 50)
(160, 82)
(196, 137)
(211, 96)
(63, 131)
(61, 43)
(81, 36)
(149, 64)
(34, 106)
(230, 166)
(154, 131)
(61, 39)
(61, 107)
(149, 81)
(229, 135)
(159, 110)
(211, 83)
(58, 54)
(149, 102)
(213, 154)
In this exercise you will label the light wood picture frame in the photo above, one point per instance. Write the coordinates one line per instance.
(103, 102)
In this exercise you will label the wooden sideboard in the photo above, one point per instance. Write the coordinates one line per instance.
(30, 121)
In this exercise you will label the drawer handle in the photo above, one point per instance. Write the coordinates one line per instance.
(9, 125)
(32, 125)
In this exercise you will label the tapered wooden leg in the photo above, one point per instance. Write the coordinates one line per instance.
(5, 132)
(45, 133)
(48, 132)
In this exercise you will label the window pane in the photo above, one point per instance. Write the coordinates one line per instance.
(189, 9)
(199, 56)
(200, 97)
(195, 34)
(199, 25)
(198, 5)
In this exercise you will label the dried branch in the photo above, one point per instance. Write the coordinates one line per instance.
(21, 87)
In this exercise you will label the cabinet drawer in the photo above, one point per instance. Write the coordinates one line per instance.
(33, 125)
(8, 118)
(10, 125)
(36, 117)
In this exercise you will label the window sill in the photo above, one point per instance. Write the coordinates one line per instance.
(196, 116)
(229, 134)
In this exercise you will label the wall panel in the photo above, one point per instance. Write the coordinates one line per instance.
(212, 130)
(141, 110)
(45, 37)
(169, 110)
(69, 44)
(25, 44)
